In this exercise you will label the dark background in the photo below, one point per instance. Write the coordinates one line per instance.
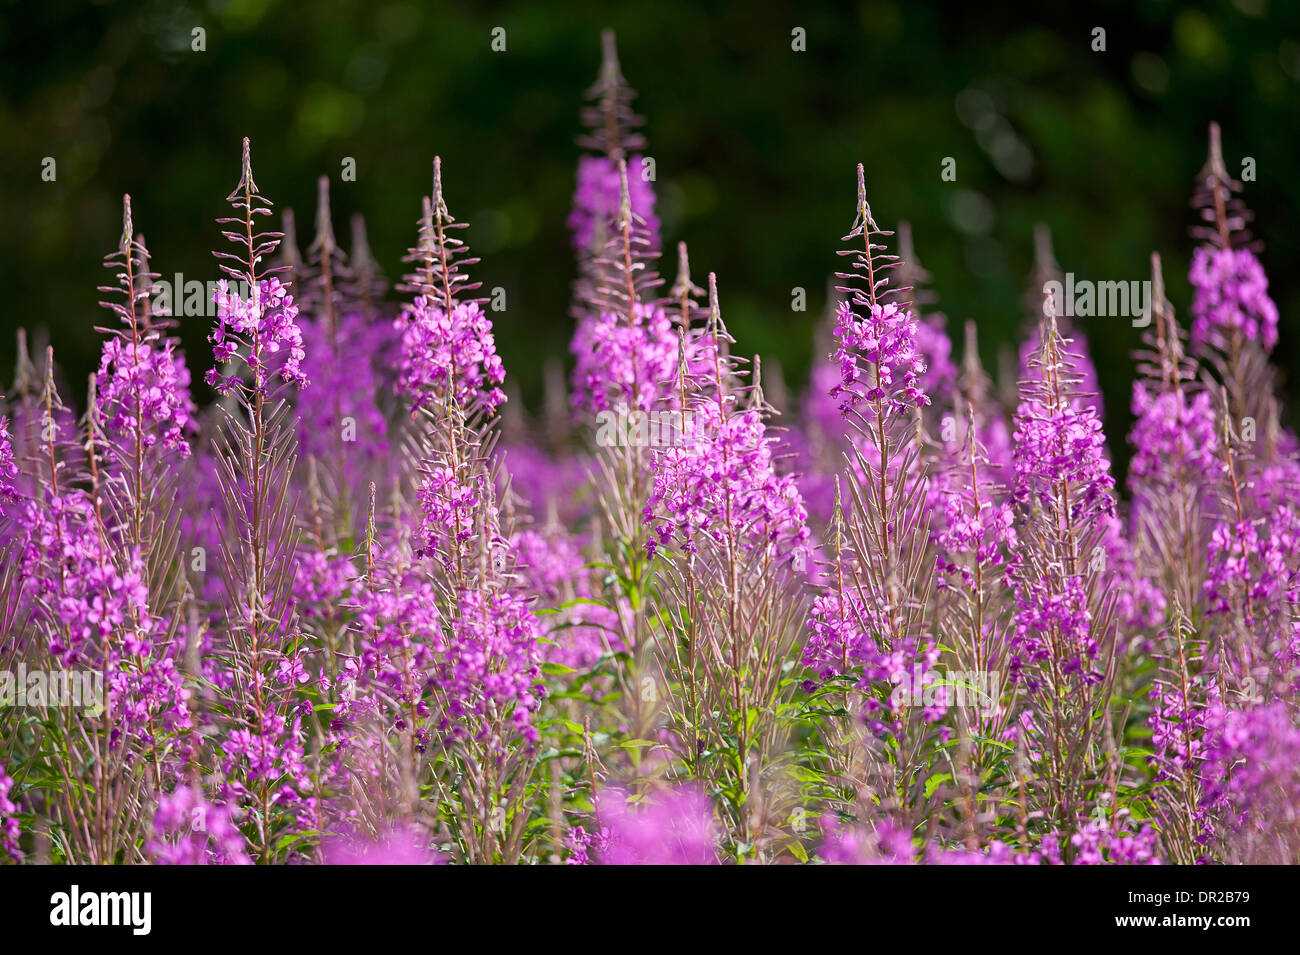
(755, 146)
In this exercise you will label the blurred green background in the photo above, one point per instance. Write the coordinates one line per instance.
(755, 146)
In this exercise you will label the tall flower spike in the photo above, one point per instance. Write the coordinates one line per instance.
(440, 257)
(624, 348)
(1063, 647)
(448, 348)
(1046, 270)
(1174, 424)
(8, 467)
(1231, 289)
(257, 317)
(724, 483)
(255, 246)
(1234, 321)
(142, 389)
(872, 261)
(611, 137)
(626, 276)
(256, 523)
(1176, 466)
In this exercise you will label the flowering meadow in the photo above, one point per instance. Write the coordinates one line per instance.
(328, 594)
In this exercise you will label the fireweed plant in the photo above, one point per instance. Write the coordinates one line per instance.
(364, 609)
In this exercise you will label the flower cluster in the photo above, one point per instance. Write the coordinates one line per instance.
(452, 355)
(1253, 769)
(449, 511)
(1058, 444)
(10, 831)
(726, 485)
(261, 331)
(8, 467)
(671, 827)
(1231, 296)
(188, 830)
(1172, 429)
(596, 199)
(553, 568)
(392, 847)
(91, 598)
(885, 338)
(621, 364)
(379, 623)
(492, 669)
(1255, 562)
(346, 409)
(145, 387)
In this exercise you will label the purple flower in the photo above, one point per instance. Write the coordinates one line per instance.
(189, 830)
(545, 481)
(1251, 562)
(449, 511)
(1097, 843)
(848, 635)
(843, 632)
(935, 347)
(89, 598)
(670, 827)
(972, 523)
(1061, 445)
(1052, 616)
(1173, 432)
(856, 845)
(396, 846)
(8, 467)
(323, 585)
(551, 566)
(819, 406)
(401, 631)
(260, 331)
(723, 484)
(596, 200)
(346, 385)
(10, 831)
(1231, 294)
(272, 752)
(144, 386)
(1185, 713)
(453, 356)
(1064, 489)
(886, 339)
(620, 365)
(582, 845)
(491, 672)
(1253, 772)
